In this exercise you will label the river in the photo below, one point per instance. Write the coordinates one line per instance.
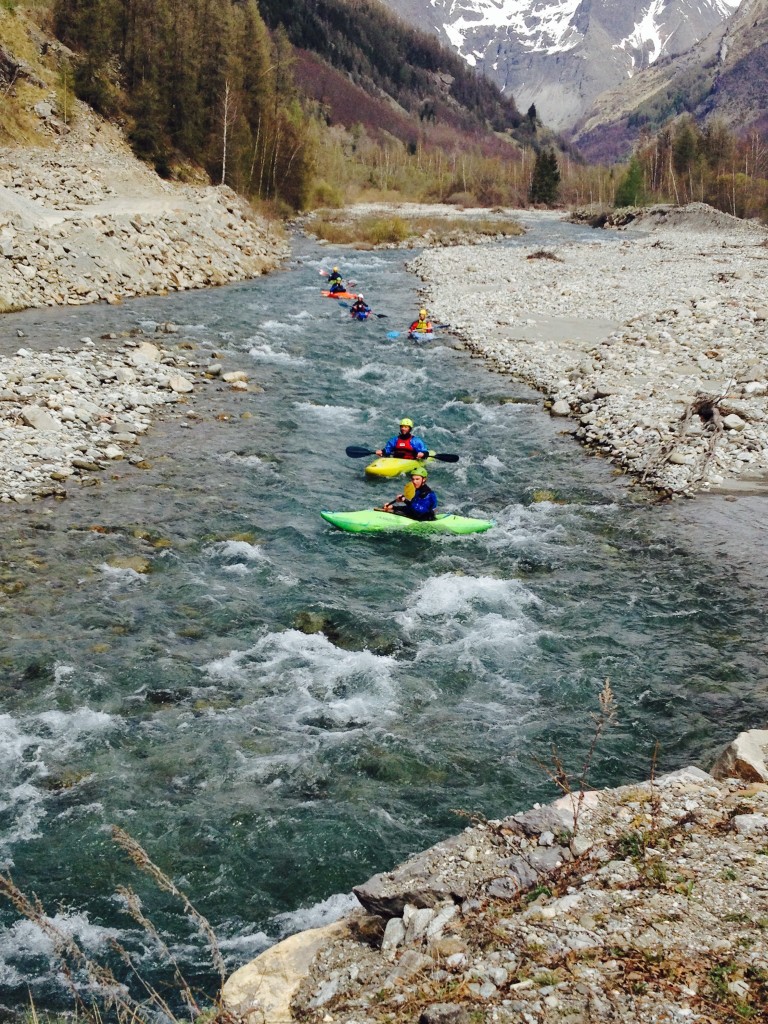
(278, 710)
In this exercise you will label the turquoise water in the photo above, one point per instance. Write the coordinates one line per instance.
(267, 769)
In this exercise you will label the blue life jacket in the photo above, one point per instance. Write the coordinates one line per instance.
(422, 505)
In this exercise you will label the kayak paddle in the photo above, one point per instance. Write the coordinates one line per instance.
(356, 452)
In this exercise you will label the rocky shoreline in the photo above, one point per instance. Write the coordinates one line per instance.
(84, 221)
(67, 414)
(657, 345)
(644, 903)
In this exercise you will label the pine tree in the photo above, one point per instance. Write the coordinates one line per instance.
(631, 190)
(545, 182)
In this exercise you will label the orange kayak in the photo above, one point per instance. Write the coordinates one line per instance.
(338, 295)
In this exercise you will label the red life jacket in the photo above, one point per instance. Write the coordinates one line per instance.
(404, 449)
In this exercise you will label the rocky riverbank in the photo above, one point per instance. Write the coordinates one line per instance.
(656, 345)
(643, 903)
(67, 414)
(83, 220)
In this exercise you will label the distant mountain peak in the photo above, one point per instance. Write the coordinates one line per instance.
(562, 55)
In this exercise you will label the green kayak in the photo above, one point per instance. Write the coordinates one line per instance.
(371, 520)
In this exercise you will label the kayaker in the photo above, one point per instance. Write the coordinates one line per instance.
(360, 307)
(423, 503)
(422, 325)
(335, 282)
(404, 445)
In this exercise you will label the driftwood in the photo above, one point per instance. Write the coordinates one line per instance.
(708, 409)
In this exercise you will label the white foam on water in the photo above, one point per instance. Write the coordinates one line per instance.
(237, 551)
(25, 747)
(62, 673)
(492, 462)
(337, 413)
(70, 727)
(295, 676)
(117, 577)
(520, 526)
(253, 461)
(317, 916)
(81, 810)
(266, 354)
(24, 940)
(279, 327)
(357, 374)
(449, 595)
(227, 669)
(239, 948)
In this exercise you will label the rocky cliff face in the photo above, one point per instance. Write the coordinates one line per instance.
(561, 56)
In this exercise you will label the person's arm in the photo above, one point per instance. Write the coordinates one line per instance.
(389, 447)
(419, 447)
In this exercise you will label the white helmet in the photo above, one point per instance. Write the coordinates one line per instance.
(360, 295)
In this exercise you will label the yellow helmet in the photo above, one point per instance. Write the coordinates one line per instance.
(406, 423)
(423, 313)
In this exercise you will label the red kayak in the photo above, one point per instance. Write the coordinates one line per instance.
(338, 295)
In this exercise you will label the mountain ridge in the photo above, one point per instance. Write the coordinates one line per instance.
(725, 75)
(555, 56)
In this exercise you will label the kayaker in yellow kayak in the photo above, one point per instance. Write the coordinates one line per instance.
(422, 325)
(404, 445)
(421, 504)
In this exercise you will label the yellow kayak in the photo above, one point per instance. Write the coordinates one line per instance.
(389, 467)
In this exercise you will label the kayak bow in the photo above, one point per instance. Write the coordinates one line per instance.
(388, 467)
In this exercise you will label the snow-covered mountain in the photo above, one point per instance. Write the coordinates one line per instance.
(561, 54)
(724, 76)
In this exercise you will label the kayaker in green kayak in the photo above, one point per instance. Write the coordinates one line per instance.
(405, 445)
(420, 505)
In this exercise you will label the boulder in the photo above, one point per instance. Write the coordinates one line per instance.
(144, 354)
(262, 990)
(560, 408)
(746, 757)
(39, 418)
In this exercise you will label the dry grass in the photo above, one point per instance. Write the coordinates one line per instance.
(19, 125)
(376, 230)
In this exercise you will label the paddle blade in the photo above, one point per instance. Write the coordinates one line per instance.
(382, 316)
(356, 452)
(408, 491)
(445, 457)
(393, 334)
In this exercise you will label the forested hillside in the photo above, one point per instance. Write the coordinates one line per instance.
(201, 79)
(231, 85)
(364, 39)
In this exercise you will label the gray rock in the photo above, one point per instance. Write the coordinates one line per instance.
(394, 933)
(560, 408)
(39, 418)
